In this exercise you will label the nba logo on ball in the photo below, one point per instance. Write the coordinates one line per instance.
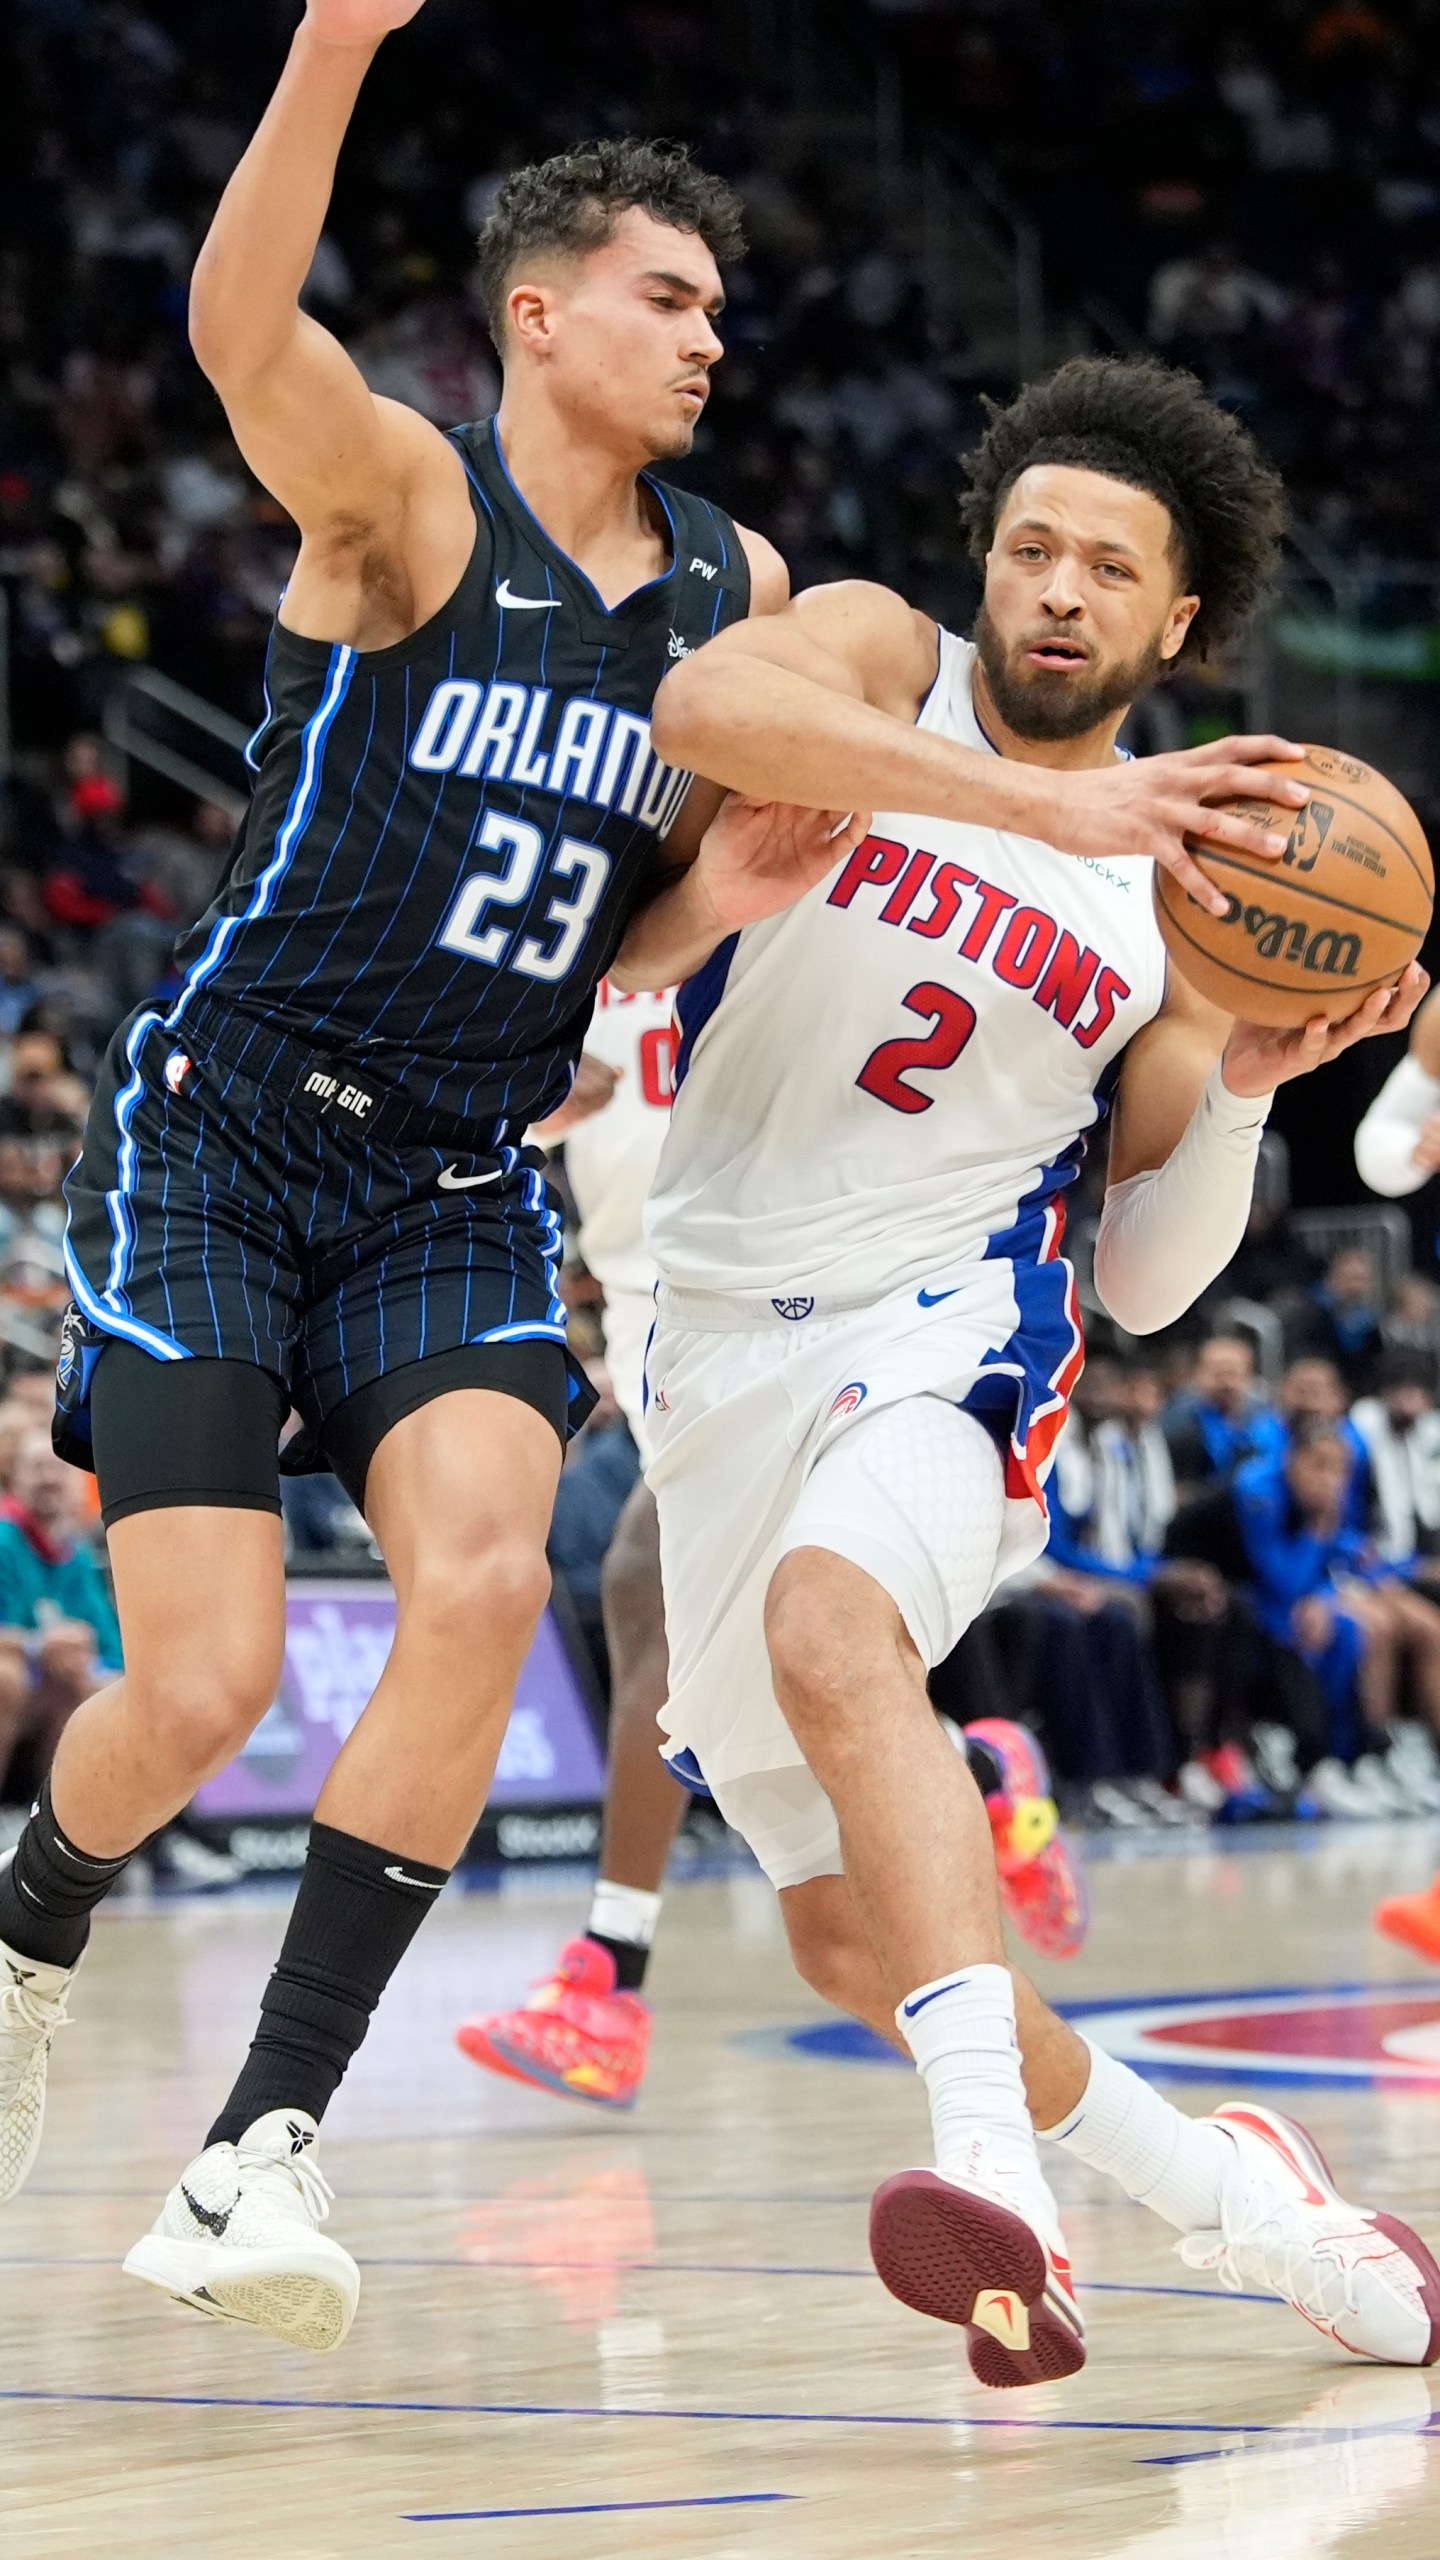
(849, 1400)
(177, 1068)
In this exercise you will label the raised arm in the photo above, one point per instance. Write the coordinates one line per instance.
(379, 496)
(818, 705)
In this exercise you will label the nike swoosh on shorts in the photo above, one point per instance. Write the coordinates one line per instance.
(509, 603)
(935, 1297)
(451, 1179)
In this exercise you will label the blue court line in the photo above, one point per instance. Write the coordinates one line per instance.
(627, 2507)
(724, 2417)
(684, 2267)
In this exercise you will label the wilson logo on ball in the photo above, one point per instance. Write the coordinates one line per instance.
(1329, 953)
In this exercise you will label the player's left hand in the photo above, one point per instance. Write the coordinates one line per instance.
(757, 857)
(1259, 1056)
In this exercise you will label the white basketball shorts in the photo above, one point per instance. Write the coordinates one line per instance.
(878, 1433)
(629, 1317)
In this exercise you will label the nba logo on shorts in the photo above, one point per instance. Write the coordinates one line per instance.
(849, 1400)
(177, 1068)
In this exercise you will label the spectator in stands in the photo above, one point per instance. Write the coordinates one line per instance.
(1321, 1589)
(1076, 1638)
(19, 987)
(1399, 1429)
(44, 1098)
(1412, 1323)
(1312, 1390)
(1340, 1318)
(1222, 1417)
(59, 1637)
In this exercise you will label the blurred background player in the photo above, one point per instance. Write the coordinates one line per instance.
(1397, 1149)
(585, 2030)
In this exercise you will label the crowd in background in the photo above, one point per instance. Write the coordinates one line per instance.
(1239, 1610)
(1255, 189)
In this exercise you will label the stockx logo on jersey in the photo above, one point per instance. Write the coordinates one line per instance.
(578, 749)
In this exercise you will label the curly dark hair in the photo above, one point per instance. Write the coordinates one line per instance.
(573, 202)
(1155, 428)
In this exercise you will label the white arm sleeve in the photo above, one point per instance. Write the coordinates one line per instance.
(1386, 1139)
(1164, 1236)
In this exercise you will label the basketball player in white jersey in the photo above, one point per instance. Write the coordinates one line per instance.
(866, 1332)
(584, 2031)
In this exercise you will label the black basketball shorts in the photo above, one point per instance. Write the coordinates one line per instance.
(358, 1267)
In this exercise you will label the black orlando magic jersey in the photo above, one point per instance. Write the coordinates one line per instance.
(448, 836)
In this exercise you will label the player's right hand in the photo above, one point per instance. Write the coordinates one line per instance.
(1155, 807)
(353, 22)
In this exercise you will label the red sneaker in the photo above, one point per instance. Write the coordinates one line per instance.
(1414, 1920)
(964, 2253)
(1041, 1884)
(576, 2033)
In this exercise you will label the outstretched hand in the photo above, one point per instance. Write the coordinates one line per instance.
(359, 21)
(758, 856)
(1157, 805)
(1259, 1056)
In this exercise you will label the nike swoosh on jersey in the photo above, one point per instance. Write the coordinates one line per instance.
(510, 603)
(452, 1179)
(421, 1883)
(935, 1297)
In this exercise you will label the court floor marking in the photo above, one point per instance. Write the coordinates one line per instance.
(687, 2267)
(1236, 2429)
(609, 2507)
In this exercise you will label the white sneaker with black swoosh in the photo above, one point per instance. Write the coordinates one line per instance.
(238, 2238)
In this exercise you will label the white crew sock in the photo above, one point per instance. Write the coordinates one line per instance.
(1171, 2162)
(623, 1912)
(961, 2031)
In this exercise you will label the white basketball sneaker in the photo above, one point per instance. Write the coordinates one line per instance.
(1363, 2279)
(238, 2237)
(32, 2008)
(982, 2250)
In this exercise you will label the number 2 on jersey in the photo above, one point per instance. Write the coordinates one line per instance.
(885, 1070)
(464, 929)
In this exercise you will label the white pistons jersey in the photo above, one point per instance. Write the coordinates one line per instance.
(893, 1080)
(610, 1159)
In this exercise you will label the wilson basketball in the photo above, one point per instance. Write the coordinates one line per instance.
(1339, 914)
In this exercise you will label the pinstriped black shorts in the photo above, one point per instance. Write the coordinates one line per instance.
(213, 1216)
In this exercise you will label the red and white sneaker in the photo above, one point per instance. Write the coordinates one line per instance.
(960, 2250)
(576, 2034)
(1363, 2279)
(1042, 1886)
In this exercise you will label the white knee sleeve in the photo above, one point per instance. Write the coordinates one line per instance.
(787, 1819)
(914, 1494)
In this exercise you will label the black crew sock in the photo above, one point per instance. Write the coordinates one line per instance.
(355, 1914)
(630, 1962)
(50, 1888)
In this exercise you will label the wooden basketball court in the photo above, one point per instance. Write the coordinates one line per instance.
(661, 2335)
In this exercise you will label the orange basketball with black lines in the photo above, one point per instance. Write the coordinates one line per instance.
(1338, 915)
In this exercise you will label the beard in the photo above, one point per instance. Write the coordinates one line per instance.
(1040, 703)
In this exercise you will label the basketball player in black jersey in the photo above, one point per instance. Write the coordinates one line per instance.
(306, 1184)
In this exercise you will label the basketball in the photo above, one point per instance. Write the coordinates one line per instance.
(1342, 911)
